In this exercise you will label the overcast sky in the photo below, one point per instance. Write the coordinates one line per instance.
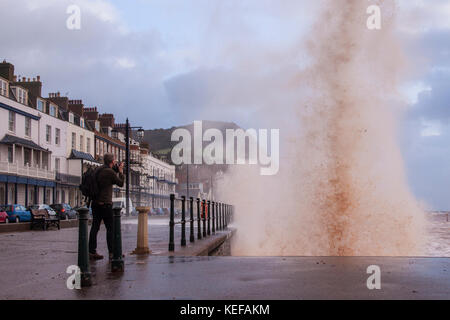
(164, 63)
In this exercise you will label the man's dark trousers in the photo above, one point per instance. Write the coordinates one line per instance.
(101, 212)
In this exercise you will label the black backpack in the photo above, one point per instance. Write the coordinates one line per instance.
(89, 185)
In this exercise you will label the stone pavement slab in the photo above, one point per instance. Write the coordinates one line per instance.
(33, 266)
(245, 278)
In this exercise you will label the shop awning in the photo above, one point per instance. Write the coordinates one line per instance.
(81, 155)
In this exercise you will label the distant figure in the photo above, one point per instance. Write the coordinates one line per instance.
(108, 175)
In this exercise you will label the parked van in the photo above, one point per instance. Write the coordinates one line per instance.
(121, 203)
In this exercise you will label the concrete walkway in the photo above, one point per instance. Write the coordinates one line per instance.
(211, 278)
(33, 266)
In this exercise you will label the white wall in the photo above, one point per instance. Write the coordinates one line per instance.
(58, 151)
(20, 121)
(74, 167)
(79, 132)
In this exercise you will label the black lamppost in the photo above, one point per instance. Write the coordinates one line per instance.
(187, 181)
(153, 189)
(140, 134)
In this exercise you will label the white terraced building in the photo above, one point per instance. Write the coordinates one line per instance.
(37, 162)
(46, 144)
(26, 174)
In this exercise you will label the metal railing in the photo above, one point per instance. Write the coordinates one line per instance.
(211, 217)
(29, 171)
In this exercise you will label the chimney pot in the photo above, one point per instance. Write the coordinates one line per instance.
(24, 79)
(38, 78)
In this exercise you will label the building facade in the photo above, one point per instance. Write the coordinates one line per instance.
(47, 143)
(26, 174)
(161, 180)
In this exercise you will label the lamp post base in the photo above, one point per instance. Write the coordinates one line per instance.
(141, 251)
(142, 235)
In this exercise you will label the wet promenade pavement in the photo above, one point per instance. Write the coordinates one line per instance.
(33, 266)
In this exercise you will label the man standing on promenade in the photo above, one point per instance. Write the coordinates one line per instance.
(107, 176)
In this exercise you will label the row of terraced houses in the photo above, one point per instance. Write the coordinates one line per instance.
(46, 143)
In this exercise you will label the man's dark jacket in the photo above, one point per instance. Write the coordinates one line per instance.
(106, 178)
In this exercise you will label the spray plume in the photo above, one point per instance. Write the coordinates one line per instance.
(342, 189)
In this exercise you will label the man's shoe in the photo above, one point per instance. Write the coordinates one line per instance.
(95, 256)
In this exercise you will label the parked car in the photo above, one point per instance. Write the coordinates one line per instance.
(46, 207)
(159, 211)
(17, 213)
(121, 203)
(43, 215)
(152, 212)
(3, 215)
(64, 211)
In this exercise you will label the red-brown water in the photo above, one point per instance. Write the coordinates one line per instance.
(341, 189)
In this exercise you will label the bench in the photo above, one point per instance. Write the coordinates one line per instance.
(42, 219)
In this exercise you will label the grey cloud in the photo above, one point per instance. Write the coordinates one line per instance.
(428, 157)
(434, 104)
(85, 62)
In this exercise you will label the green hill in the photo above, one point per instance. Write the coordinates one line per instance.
(160, 142)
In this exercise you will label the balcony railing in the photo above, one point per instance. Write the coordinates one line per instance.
(67, 178)
(14, 168)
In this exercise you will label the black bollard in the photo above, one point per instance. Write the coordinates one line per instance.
(209, 217)
(183, 221)
(191, 211)
(228, 216)
(213, 212)
(117, 264)
(217, 216)
(204, 217)
(219, 206)
(83, 247)
(223, 216)
(199, 221)
(172, 223)
(219, 209)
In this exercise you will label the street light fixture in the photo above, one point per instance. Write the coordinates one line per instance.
(140, 135)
